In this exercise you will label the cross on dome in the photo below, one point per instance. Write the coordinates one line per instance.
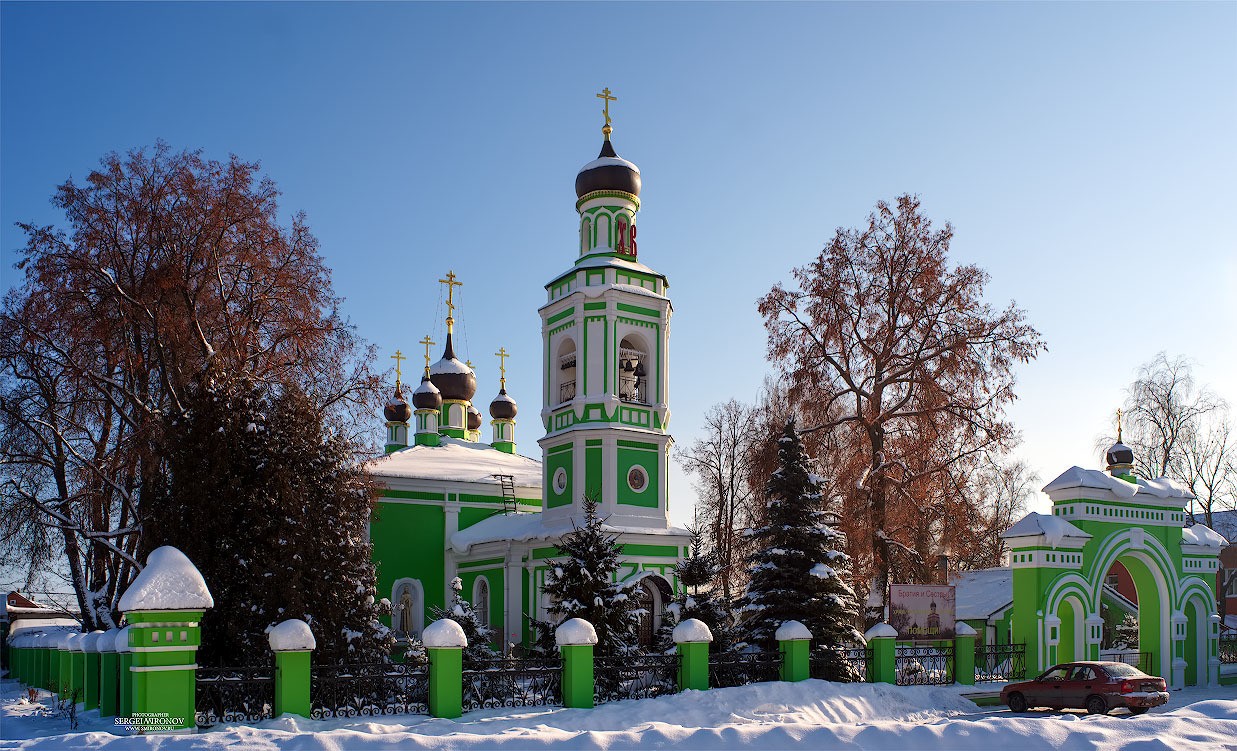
(605, 96)
(399, 358)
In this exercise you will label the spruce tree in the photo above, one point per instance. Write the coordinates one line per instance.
(272, 507)
(797, 571)
(700, 598)
(479, 634)
(584, 586)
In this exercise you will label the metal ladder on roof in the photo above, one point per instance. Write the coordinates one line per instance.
(508, 487)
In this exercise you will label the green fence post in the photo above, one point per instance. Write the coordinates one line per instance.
(793, 641)
(90, 645)
(693, 638)
(64, 666)
(164, 606)
(445, 642)
(964, 654)
(109, 667)
(576, 638)
(124, 670)
(884, 652)
(77, 666)
(293, 643)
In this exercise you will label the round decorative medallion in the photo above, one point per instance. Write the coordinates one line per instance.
(560, 481)
(637, 479)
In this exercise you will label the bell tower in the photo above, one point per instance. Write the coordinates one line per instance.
(605, 332)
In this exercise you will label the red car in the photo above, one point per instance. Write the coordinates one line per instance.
(1094, 686)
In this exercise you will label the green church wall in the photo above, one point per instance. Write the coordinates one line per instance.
(559, 457)
(409, 541)
(493, 577)
(646, 457)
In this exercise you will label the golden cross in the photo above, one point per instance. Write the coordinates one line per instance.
(426, 341)
(502, 356)
(399, 358)
(605, 95)
(1119, 425)
(451, 285)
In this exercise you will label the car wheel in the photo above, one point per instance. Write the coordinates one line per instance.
(1017, 703)
(1138, 710)
(1097, 705)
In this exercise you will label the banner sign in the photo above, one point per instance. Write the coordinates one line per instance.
(922, 612)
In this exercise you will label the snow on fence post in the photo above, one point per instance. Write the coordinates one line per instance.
(964, 654)
(693, 638)
(882, 638)
(292, 642)
(124, 670)
(109, 668)
(444, 640)
(576, 638)
(793, 640)
(90, 666)
(163, 607)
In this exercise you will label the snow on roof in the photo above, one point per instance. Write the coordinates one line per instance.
(880, 631)
(1201, 534)
(459, 461)
(983, 592)
(41, 634)
(527, 527)
(293, 635)
(1053, 528)
(170, 581)
(1093, 479)
(33, 625)
(791, 630)
(449, 366)
(610, 161)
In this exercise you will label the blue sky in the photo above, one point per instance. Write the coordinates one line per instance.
(1083, 152)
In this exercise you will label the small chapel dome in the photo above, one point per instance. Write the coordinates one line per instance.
(474, 418)
(1119, 456)
(453, 378)
(608, 171)
(397, 410)
(503, 407)
(427, 395)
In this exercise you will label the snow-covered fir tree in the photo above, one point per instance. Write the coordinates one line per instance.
(271, 507)
(700, 598)
(584, 586)
(798, 572)
(479, 634)
(1125, 635)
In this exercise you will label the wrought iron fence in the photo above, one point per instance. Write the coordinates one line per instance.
(730, 669)
(855, 664)
(860, 659)
(1228, 649)
(528, 682)
(368, 689)
(1000, 662)
(236, 694)
(637, 676)
(925, 665)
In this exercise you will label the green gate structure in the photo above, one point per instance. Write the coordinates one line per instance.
(1059, 563)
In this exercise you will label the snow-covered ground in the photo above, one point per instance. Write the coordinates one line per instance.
(771, 716)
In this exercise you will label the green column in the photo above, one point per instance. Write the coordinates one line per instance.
(77, 663)
(164, 645)
(964, 654)
(64, 670)
(693, 638)
(90, 643)
(124, 667)
(576, 638)
(445, 641)
(292, 642)
(881, 638)
(793, 642)
(109, 669)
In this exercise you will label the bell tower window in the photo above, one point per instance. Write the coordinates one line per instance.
(633, 374)
(566, 371)
(586, 235)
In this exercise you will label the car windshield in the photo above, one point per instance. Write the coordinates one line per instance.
(1121, 670)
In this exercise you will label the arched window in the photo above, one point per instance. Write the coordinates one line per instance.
(481, 599)
(603, 231)
(407, 609)
(586, 235)
(566, 370)
(633, 378)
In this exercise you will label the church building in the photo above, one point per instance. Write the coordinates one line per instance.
(453, 506)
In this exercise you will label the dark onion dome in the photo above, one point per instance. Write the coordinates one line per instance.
(503, 407)
(1120, 455)
(427, 395)
(453, 378)
(397, 410)
(608, 172)
(474, 418)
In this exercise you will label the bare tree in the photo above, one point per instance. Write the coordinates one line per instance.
(897, 353)
(719, 463)
(1210, 459)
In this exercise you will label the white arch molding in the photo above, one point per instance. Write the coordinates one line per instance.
(415, 605)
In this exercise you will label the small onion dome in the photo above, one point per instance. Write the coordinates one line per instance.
(503, 407)
(427, 395)
(397, 410)
(474, 418)
(608, 172)
(453, 378)
(1120, 455)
